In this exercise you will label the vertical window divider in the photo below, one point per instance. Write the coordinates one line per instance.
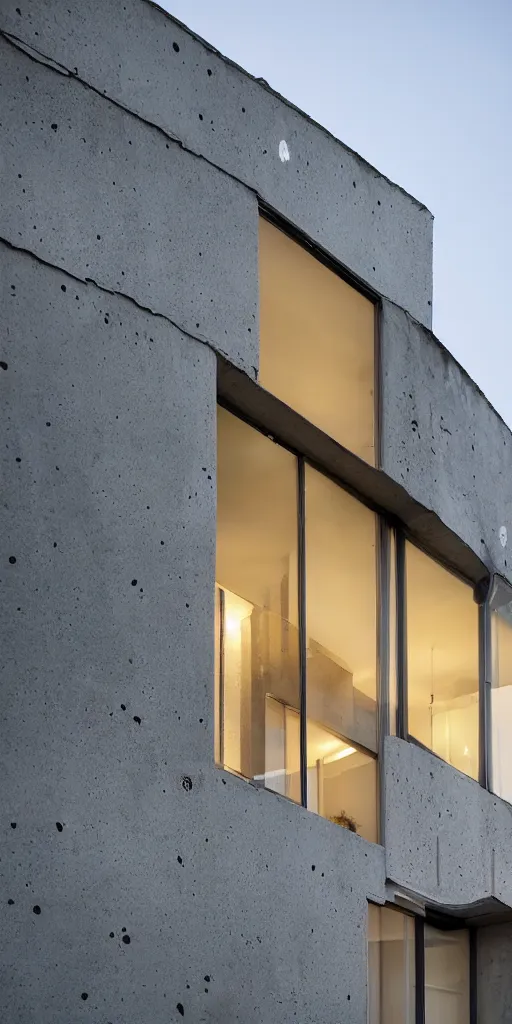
(301, 487)
(473, 964)
(402, 728)
(485, 674)
(222, 616)
(419, 952)
(383, 625)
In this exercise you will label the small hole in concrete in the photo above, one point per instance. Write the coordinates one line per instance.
(36, 909)
(59, 826)
(175, 47)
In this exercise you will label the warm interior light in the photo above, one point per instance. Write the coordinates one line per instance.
(232, 625)
(339, 754)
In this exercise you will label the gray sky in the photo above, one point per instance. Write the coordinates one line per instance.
(423, 90)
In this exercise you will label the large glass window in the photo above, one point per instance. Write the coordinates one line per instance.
(271, 661)
(317, 342)
(258, 688)
(446, 976)
(442, 661)
(391, 967)
(416, 972)
(341, 603)
(501, 692)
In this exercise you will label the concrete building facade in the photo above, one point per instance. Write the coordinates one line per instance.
(256, 561)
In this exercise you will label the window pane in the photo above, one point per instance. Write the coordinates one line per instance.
(317, 342)
(442, 661)
(391, 967)
(501, 702)
(446, 976)
(257, 672)
(341, 597)
(393, 639)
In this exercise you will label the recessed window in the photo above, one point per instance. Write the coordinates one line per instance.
(416, 972)
(317, 342)
(501, 693)
(442, 662)
(273, 660)
(446, 976)
(391, 967)
(257, 674)
(341, 663)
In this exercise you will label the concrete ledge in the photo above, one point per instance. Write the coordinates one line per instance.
(447, 839)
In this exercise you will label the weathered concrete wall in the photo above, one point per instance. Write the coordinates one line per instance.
(129, 260)
(94, 190)
(443, 441)
(238, 905)
(494, 975)
(151, 65)
(446, 838)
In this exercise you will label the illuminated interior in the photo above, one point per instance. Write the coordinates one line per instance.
(317, 342)
(341, 665)
(391, 967)
(446, 976)
(257, 636)
(501, 702)
(257, 603)
(442, 662)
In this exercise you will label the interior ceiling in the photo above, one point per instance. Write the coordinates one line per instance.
(317, 342)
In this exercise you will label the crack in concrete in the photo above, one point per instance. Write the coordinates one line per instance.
(118, 294)
(41, 58)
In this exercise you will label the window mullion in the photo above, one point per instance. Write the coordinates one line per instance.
(401, 637)
(419, 954)
(301, 508)
(473, 938)
(484, 737)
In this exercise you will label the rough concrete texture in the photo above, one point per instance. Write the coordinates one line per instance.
(494, 977)
(443, 441)
(96, 191)
(238, 905)
(150, 64)
(446, 838)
